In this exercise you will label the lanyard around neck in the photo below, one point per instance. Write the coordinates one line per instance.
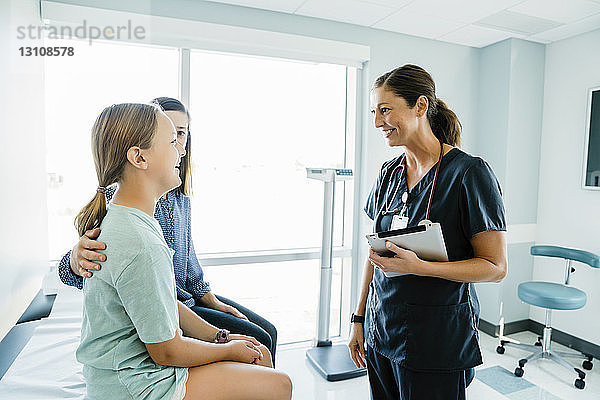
(403, 174)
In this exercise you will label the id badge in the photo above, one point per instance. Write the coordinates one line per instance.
(399, 222)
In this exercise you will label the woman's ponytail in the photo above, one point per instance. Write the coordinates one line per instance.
(411, 82)
(446, 126)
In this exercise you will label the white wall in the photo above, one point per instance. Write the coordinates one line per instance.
(567, 214)
(24, 231)
(454, 69)
(511, 89)
(570, 68)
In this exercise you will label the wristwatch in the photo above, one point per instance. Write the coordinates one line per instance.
(222, 336)
(357, 318)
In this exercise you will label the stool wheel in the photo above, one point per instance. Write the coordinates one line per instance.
(501, 350)
(579, 383)
(587, 365)
(519, 372)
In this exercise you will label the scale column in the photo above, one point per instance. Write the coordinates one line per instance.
(323, 315)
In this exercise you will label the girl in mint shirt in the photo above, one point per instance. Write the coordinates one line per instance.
(137, 340)
(173, 213)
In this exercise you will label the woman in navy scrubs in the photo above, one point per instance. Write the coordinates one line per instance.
(420, 329)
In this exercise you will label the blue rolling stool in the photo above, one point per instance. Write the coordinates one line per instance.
(553, 296)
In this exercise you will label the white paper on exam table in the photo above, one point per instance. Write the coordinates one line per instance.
(426, 240)
(47, 368)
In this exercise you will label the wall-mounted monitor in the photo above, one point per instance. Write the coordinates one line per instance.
(591, 165)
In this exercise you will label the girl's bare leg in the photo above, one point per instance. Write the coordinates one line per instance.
(236, 381)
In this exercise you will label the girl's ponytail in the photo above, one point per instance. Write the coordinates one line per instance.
(118, 128)
(92, 214)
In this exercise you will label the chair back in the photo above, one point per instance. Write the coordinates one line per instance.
(582, 256)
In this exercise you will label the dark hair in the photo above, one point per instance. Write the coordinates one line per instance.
(411, 82)
(185, 167)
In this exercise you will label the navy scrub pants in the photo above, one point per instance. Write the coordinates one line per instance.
(258, 327)
(389, 381)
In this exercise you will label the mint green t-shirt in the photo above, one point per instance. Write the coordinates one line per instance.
(129, 302)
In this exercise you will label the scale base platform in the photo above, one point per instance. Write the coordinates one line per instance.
(334, 362)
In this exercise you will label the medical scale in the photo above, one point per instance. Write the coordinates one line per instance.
(333, 362)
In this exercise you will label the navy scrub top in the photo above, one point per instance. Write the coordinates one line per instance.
(426, 323)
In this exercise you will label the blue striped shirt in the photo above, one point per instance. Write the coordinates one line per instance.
(174, 216)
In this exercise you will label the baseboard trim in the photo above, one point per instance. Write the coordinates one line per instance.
(489, 328)
(509, 328)
(558, 336)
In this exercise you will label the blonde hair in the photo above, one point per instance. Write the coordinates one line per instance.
(118, 128)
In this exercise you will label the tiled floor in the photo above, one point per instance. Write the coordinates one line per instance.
(552, 382)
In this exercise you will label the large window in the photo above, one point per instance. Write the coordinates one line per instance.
(77, 89)
(257, 123)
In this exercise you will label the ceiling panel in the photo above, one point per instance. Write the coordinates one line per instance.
(287, 6)
(565, 31)
(351, 11)
(558, 10)
(417, 24)
(396, 4)
(466, 11)
(474, 23)
(476, 36)
(517, 23)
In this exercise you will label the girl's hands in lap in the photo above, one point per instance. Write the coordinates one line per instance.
(243, 351)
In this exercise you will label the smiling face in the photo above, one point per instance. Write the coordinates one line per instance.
(165, 155)
(182, 123)
(396, 120)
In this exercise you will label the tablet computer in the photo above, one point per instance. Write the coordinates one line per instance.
(426, 240)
